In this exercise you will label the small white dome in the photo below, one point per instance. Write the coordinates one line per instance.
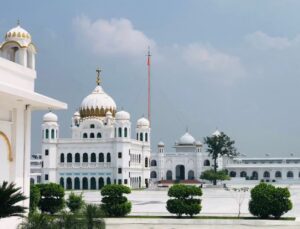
(186, 139)
(161, 144)
(216, 133)
(108, 114)
(198, 143)
(76, 114)
(143, 122)
(50, 117)
(122, 115)
(19, 35)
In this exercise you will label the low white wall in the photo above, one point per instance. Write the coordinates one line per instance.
(10, 222)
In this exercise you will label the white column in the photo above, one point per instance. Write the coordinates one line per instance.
(27, 152)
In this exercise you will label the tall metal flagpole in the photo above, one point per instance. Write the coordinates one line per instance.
(149, 85)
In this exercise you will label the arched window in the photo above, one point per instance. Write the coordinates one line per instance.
(146, 162)
(206, 163)
(191, 175)
(243, 174)
(141, 137)
(125, 132)
(84, 135)
(99, 135)
(137, 136)
(120, 155)
(92, 126)
(85, 183)
(77, 157)
(62, 158)
(47, 133)
(108, 159)
(92, 135)
(254, 175)
(52, 133)
(108, 181)
(120, 132)
(93, 157)
(139, 158)
(62, 182)
(232, 174)
(153, 174)
(278, 174)
(101, 182)
(69, 157)
(69, 183)
(153, 163)
(93, 183)
(85, 158)
(266, 174)
(101, 157)
(77, 183)
(290, 174)
(169, 175)
(146, 137)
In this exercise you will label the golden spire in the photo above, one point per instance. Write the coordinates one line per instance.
(98, 80)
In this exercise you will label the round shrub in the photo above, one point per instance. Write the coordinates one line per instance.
(113, 201)
(183, 201)
(52, 197)
(267, 200)
(74, 202)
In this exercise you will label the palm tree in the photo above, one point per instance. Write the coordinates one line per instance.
(92, 215)
(9, 197)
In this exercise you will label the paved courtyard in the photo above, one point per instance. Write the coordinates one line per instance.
(215, 201)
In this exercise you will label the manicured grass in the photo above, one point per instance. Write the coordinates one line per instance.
(208, 217)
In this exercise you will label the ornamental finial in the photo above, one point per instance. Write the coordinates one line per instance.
(18, 21)
(98, 80)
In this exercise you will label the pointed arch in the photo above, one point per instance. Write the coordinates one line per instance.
(5, 138)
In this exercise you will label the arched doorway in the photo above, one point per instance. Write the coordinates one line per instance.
(85, 183)
(101, 182)
(62, 182)
(69, 183)
(191, 175)
(180, 172)
(93, 183)
(77, 183)
(169, 175)
(254, 175)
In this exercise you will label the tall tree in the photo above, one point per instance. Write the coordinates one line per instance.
(9, 197)
(218, 145)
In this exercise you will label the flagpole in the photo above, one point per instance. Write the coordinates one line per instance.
(149, 85)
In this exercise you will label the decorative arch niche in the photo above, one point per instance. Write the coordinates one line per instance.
(6, 140)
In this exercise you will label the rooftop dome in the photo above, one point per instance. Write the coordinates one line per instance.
(98, 103)
(19, 35)
(161, 144)
(76, 114)
(122, 115)
(143, 122)
(50, 117)
(198, 143)
(186, 139)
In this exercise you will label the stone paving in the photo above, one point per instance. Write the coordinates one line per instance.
(215, 201)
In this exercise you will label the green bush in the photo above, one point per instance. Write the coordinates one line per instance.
(75, 202)
(183, 201)
(113, 201)
(267, 200)
(52, 197)
(211, 175)
(35, 197)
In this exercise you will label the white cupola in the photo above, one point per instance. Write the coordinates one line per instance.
(161, 147)
(143, 130)
(122, 124)
(50, 127)
(18, 47)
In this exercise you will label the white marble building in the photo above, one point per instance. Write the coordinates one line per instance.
(17, 100)
(187, 162)
(100, 150)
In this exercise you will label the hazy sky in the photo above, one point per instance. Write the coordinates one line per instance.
(227, 64)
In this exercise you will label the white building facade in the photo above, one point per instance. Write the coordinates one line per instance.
(187, 162)
(100, 150)
(17, 100)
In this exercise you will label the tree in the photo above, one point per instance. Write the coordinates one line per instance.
(211, 175)
(182, 200)
(9, 197)
(75, 202)
(113, 201)
(218, 145)
(93, 216)
(35, 197)
(267, 200)
(52, 197)
(239, 195)
(36, 220)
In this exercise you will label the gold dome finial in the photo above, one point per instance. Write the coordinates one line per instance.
(98, 80)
